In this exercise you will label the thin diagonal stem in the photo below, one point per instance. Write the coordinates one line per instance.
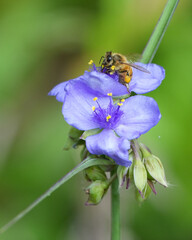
(85, 164)
(159, 31)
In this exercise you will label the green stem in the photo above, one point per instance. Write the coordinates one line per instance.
(115, 208)
(158, 33)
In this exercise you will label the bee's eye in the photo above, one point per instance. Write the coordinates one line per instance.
(109, 58)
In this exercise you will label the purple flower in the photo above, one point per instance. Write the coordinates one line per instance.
(86, 109)
(103, 83)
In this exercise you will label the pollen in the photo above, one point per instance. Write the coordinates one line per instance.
(108, 117)
(123, 100)
(95, 99)
(113, 67)
(119, 104)
(90, 62)
(93, 108)
(109, 94)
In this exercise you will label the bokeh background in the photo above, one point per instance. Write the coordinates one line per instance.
(45, 42)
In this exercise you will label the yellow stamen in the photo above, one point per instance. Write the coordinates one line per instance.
(95, 99)
(113, 67)
(102, 66)
(119, 104)
(93, 108)
(123, 100)
(90, 62)
(109, 94)
(108, 117)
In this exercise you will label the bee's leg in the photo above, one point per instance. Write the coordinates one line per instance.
(127, 86)
(124, 79)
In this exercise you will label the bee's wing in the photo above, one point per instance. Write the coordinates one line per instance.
(137, 67)
(134, 57)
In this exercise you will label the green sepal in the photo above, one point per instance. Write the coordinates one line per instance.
(73, 139)
(90, 133)
(95, 173)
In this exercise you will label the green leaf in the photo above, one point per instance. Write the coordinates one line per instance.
(88, 162)
(73, 138)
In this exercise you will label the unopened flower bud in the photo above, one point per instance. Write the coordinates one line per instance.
(95, 173)
(154, 166)
(140, 175)
(141, 196)
(96, 192)
(155, 169)
(121, 174)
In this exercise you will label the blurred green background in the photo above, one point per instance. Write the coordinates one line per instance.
(44, 42)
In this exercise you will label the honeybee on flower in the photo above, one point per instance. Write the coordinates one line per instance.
(116, 62)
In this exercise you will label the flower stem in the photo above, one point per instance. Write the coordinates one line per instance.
(158, 33)
(115, 208)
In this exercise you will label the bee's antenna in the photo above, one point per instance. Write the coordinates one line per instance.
(100, 59)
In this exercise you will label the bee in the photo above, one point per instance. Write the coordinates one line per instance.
(116, 62)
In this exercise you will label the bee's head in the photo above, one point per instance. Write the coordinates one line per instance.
(108, 60)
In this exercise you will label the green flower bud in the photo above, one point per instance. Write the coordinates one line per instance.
(140, 175)
(154, 166)
(130, 170)
(121, 174)
(155, 169)
(142, 196)
(96, 192)
(95, 173)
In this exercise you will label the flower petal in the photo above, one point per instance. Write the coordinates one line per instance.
(143, 82)
(104, 84)
(59, 91)
(107, 143)
(77, 108)
(140, 115)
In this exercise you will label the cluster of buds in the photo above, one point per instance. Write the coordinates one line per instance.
(145, 171)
